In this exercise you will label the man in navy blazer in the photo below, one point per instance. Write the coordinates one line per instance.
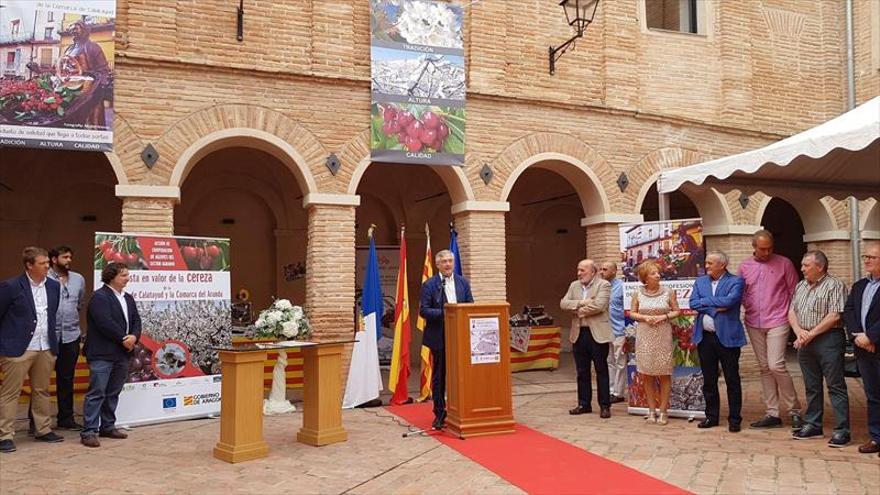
(719, 335)
(114, 327)
(445, 287)
(862, 317)
(28, 345)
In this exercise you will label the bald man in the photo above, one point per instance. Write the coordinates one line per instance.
(587, 301)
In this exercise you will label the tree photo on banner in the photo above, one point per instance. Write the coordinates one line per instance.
(57, 86)
(417, 82)
(182, 289)
(677, 248)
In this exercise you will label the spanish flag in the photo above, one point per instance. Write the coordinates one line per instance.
(400, 357)
(427, 370)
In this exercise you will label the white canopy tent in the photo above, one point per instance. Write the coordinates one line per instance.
(840, 158)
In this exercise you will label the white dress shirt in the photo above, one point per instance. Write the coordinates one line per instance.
(449, 288)
(708, 321)
(120, 296)
(40, 340)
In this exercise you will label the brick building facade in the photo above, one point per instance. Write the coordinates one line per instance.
(268, 111)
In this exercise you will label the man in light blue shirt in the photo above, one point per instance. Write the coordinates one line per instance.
(616, 358)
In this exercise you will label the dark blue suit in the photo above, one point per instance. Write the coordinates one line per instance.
(869, 362)
(108, 358)
(722, 345)
(18, 315)
(431, 303)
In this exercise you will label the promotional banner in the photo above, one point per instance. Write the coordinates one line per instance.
(678, 249)
(182, 289)
(418, 82)
(56, 63)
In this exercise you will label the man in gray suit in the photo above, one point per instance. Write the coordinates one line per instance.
(587, 300)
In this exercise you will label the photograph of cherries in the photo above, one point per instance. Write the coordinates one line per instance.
(197, 253)
(417, 128)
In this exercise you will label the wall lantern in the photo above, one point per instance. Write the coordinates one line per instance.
(579, 14)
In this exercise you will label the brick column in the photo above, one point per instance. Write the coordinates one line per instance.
(482, 244)
(837, 248)
(148, 209)
(734, 240)
(603, 235)
(330, 273)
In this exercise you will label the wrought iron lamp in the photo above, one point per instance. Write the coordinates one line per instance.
(579, 14)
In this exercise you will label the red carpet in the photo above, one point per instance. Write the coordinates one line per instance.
(538, 463)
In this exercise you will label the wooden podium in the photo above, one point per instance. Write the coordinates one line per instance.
(478, 390)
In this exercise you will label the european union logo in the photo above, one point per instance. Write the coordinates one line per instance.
(169, 402)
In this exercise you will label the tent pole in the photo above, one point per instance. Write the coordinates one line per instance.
(854, 237)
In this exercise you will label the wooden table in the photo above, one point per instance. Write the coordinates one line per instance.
(241, 403)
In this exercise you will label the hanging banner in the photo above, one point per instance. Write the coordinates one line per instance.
(56, 89)
(182, 289)
(418, 82)
(678, 249)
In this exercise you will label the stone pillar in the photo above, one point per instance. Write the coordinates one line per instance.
(148, 209)
(481, 242)
(734, 240)
(836, 246)
(603, 235)
(330, 256)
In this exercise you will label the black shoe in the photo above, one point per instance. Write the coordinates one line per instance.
(70, 425)
(7, 446)
(707, 423)
(50, 437)
(580, 410)
(838, 439)
(808, 432)
(767, 422)
(797, 422)
(734, 427)
(616, 399)
(438, 424)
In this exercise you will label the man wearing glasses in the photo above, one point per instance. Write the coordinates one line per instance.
(73, 291)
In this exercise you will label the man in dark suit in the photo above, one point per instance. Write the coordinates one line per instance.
(114, 327)
(862, 317)
(28, 345)
(445, 287)
(719, 335)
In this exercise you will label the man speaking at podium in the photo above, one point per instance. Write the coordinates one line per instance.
(445, 287)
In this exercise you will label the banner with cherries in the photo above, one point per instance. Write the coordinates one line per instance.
(418, 82)
(182, 289)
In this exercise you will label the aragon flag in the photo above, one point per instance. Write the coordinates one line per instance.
(397, 378)
(427, 370)
(364, 378)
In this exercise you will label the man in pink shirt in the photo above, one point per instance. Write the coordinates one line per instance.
(770, 282)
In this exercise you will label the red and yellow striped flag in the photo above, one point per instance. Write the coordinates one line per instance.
(427, 366)
(399, 375)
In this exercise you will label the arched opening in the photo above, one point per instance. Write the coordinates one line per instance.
(784, 221)
(545, 241)
(55, 197)
(680, 206)
(392, 195)
(259, 208)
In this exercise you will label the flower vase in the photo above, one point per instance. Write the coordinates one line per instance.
(277, 402)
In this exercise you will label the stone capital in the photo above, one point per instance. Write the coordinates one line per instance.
(470, 205)
(314, 199)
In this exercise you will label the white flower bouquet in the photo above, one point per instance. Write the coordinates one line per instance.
(282, 320)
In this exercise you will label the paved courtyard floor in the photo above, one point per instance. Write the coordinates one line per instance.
(176, 457)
